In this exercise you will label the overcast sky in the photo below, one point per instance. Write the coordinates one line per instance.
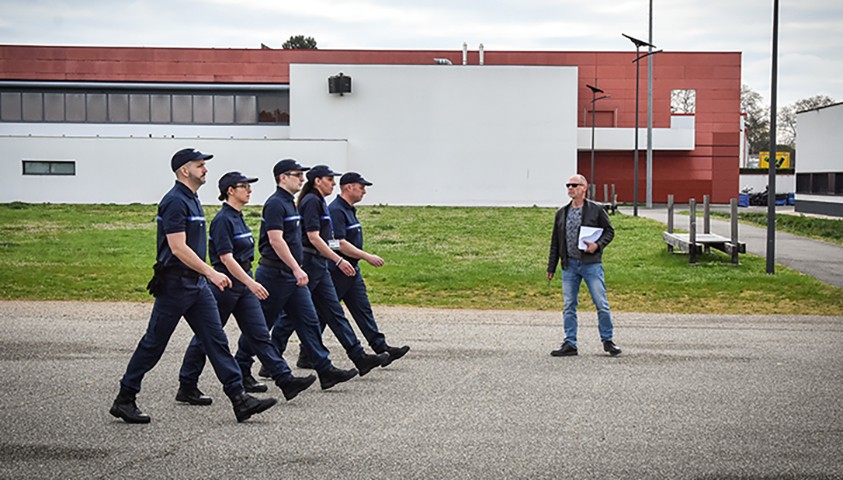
(810, 31)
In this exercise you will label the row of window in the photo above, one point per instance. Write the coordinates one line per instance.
(820, 183)
(241, 108)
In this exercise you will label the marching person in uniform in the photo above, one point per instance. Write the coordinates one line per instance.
(580, 265)
(320, 253)
(232, 249)
(180, 286)
(352, 289)
(280, 272)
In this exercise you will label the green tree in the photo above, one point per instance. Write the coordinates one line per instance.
(786, 118)
(299, 42)
(757, 119)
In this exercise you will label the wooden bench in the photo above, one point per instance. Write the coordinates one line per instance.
(693, 243)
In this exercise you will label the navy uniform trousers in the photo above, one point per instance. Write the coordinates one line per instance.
(352, 291)
(246, 308)
(285, 296)
(189, 297)
(328, 305)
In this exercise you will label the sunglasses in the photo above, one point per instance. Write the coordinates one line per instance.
(573, 185)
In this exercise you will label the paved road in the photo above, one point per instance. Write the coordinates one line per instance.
(693, 396)
(821, 260)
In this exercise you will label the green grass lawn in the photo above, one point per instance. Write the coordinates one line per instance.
(826, 229)
(436, 257)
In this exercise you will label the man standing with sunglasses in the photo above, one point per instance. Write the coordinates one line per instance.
(581, 260)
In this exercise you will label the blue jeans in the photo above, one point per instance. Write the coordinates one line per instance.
(192, 299)
(300, 316)
(572, 277)
(246, 307)
(328, 306)
(352, 291)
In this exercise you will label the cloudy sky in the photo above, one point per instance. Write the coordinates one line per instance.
(810, 31)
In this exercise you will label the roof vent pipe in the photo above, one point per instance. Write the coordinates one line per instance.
(464, 53)
(482, 54)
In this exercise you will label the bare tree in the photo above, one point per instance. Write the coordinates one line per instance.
(786, 118)
(683, 101)
(757, 119)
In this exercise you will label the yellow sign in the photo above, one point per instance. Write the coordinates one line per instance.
(782, 160)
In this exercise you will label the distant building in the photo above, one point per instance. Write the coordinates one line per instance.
(97, 124)
(819, 169)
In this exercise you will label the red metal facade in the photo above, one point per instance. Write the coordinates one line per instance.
(711, 168)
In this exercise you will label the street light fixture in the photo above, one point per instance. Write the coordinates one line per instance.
(638, 44)
(594, 99)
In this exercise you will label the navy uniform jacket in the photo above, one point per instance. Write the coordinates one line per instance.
(346, 225)
(230, 234)
(279, 213)
(315, 217)
(593, 215)
(180, 211)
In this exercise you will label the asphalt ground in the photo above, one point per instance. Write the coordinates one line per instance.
(478, 396)
(821, 260)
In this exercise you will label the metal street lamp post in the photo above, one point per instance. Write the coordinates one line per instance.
(638, 44)
(594, 99)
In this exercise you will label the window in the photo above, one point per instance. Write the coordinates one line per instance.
(803, 183)
(139, 108)
(54, 107)
(75, 104)
(97, 107)
(245, 108)
(118, 107)
(38, 167)
(182, 108)
(33, 107)
(203, 109)
(160, 108)
(274, 108)
(223, 109)
(683, 101)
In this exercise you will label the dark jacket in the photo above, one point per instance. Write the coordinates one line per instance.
(593, 215)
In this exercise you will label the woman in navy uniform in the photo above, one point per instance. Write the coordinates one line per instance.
(232, 249)
(320, 253)
(180, 286)
(281, 273)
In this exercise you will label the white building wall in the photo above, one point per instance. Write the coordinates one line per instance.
(446, 135)
(426, 135)
(137, 170)
(818, 134)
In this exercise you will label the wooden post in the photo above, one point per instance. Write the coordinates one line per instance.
(605, 194)
(733, 203)
(707, 219)
(614, 199)
(670, 220)
(692, 229)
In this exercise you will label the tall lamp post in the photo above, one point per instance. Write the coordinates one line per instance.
(594, 99)
(638, 44)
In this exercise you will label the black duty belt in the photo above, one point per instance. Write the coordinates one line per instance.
(180, 272)
(267, 262)
(220, 267)
(309, 250)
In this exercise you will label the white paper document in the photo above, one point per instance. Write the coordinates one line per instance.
(589, 233)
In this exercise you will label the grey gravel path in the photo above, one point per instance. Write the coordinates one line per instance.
(478, 396)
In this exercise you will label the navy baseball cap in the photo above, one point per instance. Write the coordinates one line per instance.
(231, 179)
(188, 155)
(287, 165)
(321, 171)
(354, 177)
